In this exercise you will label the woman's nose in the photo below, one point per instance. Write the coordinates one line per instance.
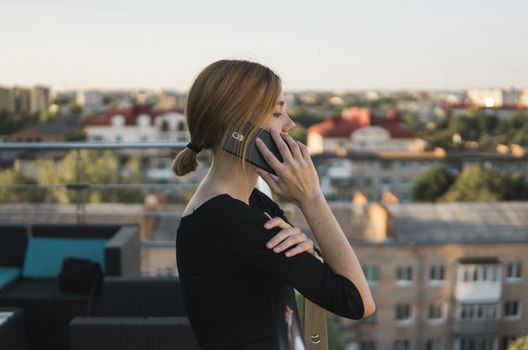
(288, 125)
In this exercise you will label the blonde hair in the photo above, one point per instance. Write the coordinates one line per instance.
(224, 96)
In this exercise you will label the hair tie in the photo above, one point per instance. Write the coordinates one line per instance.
(194, 147)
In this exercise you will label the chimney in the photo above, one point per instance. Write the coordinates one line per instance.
(359, 198)
(379, 228)
(389, 197)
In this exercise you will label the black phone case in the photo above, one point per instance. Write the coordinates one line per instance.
(253, 156)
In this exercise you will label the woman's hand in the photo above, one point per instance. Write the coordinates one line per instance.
(296, 179)
(287, 237)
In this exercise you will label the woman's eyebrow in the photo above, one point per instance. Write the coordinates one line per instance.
(280, 103)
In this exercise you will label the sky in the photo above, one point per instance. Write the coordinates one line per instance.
(312, 45)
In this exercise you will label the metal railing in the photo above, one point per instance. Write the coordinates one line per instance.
(79, 185)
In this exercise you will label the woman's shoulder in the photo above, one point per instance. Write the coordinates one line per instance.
(265, 203)
(224, 207)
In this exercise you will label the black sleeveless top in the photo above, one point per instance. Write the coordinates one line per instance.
(236, 290)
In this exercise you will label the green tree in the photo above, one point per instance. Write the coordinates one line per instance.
(520, 343)
(96, 167)
(466, 126)
(412, 121)
(10, 177)
(477, 184)
(302, 116)
(432, 184)
(298, 133)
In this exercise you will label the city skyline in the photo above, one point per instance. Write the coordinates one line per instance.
(338, 46)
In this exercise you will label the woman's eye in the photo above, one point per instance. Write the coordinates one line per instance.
(277, 114)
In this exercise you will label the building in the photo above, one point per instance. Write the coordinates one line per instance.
(444, 276)
(494, 97)
(466, 109)
(358, 129)
(56, 130)
(90, 101)
(24, 100)
(142, 124)
(448, 276)
(138, 124)
(7, 99)
(40, 99)
(341, 174)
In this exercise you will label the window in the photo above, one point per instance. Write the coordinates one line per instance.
(386, 181)
(437, 273)
(403, 312)
(368, 345)
(436, 311)
(401, 345)
(367, 181)
(165, 126)
(480, 273)
(386, 164)
(371, 273)
(477, 311)
(475, 343)
(514, 271)
(405, 181)
(434, 344)
(511, 308)
(404, 274)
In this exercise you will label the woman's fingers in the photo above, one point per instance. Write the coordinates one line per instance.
(276, 221)
(305, 246)
(270, 179)
(282, 146)
(305, 152)
(286, 238)
(294, 147)
(268, 156)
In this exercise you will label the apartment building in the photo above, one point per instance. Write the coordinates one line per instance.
(444, 276)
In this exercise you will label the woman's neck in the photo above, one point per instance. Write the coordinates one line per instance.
(228, 180)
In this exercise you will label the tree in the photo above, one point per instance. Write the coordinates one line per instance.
(519, 344)
(96, 167)
(477, 184)
(432, 183)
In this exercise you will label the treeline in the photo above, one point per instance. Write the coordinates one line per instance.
(486, 130)
(97, 167)
(475, 184)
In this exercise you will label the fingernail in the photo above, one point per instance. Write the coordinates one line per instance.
(268, 245)
(259, 140)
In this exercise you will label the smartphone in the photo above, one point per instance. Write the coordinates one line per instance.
(253, 155)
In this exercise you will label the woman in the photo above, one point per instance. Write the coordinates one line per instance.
(238, 257)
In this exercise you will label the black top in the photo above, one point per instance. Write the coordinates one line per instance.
(236, 289)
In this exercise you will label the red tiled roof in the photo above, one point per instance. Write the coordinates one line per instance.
(357, 118)
(130, 113)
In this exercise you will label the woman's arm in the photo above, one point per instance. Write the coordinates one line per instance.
(335, 248)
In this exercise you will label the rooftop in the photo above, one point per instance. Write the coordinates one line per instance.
(460, 222)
